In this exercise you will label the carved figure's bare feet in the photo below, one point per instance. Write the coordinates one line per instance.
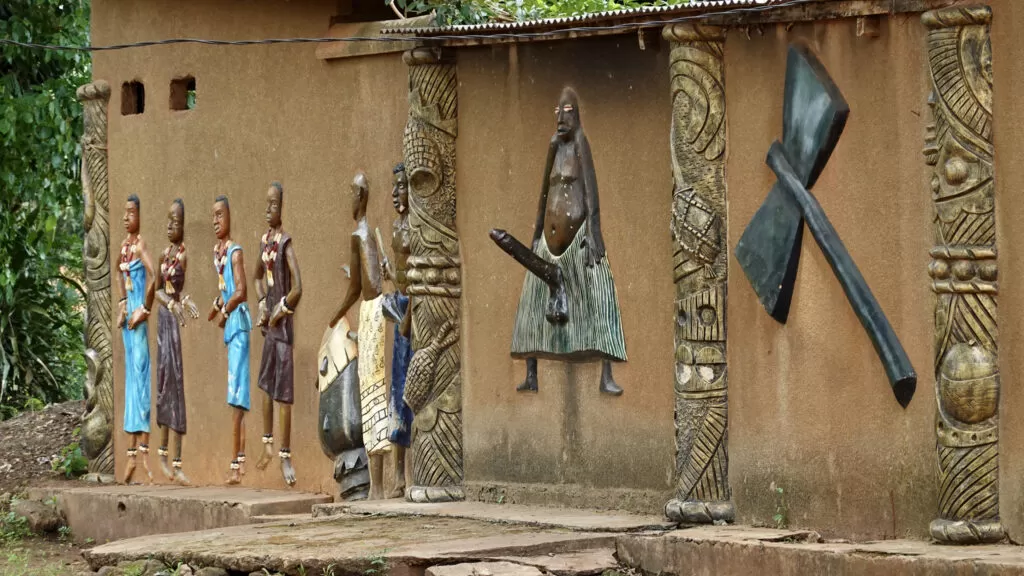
(234, 477)
(129, 469)
(180, 478)
(287, 470)
(145, 468)
(164, 466)
(268, 454)
(530, 383)
(608, 385)
(377, 477)
(398, 491)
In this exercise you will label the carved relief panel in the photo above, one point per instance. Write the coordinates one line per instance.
(433, 388)
(98, 420)
(964, 274)
(700, 260)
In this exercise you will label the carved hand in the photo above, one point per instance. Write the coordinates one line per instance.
(278, 314)
(138, 317)
(178, 311)
(190, 307)
(214, 310)
(223, 320)
(261, 314)
(593, 257)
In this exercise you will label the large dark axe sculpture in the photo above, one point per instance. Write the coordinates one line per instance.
(814, 116)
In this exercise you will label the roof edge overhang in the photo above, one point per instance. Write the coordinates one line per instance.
(726, 13)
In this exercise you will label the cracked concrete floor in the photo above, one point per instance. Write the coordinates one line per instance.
(350, 545)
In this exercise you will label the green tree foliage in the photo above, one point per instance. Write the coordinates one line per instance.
(479, 11)
(41, 305)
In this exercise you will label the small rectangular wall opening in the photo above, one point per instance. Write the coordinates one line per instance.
(183, 93)
(133, 98)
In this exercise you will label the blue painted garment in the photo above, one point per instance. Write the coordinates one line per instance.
(400, 415)
(136, 356)
(236, 337)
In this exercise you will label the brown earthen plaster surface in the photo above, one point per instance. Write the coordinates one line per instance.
(262, 114)
(810, 408)
(567, 433)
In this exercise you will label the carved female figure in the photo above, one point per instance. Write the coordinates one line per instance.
(279, 288)
(232, 315)
(170, 377)
(366, 286)
(133, 311)
(396, 306)
(568, 309)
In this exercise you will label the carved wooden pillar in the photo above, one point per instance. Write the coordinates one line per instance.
(98, 419)
(434, 387)
(963, 271)
(701, 267)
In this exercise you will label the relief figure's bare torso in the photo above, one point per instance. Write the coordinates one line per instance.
(566, 203)
(401, 247)
(369, 261)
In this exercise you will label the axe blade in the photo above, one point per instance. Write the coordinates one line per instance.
(814, 115)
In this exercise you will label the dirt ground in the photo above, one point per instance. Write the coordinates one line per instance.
(36, 556)
(29, 441)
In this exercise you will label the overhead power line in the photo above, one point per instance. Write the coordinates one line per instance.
(554, 34)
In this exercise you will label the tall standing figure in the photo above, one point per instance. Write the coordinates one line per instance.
(396, 306)
(170, 375)
(279, 288)
(133, 311)
(365, 285)
(232, 315)
(568, 309)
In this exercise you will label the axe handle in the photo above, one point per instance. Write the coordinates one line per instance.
(897, 365)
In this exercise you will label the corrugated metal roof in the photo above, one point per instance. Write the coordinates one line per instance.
(694, 6)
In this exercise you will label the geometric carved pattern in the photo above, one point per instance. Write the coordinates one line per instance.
(960, 151)
(703, 315)
(701, 262)
(433, 384)
(98, 419)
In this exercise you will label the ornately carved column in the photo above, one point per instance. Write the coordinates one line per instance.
(963, 270)
(98, 419)
(701, 265)
(433, 387)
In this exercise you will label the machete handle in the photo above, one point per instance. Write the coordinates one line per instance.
(894, 358)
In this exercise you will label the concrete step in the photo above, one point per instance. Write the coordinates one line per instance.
(355, 544)
(541, 516)
(743, 550)
(109, 513)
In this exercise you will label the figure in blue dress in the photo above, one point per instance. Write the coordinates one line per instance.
(396, 305)
(133, 311)
(232, 315)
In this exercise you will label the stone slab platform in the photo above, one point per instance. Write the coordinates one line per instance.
(572, 519)
(349, 544)
(108, 513)
(740, 550)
